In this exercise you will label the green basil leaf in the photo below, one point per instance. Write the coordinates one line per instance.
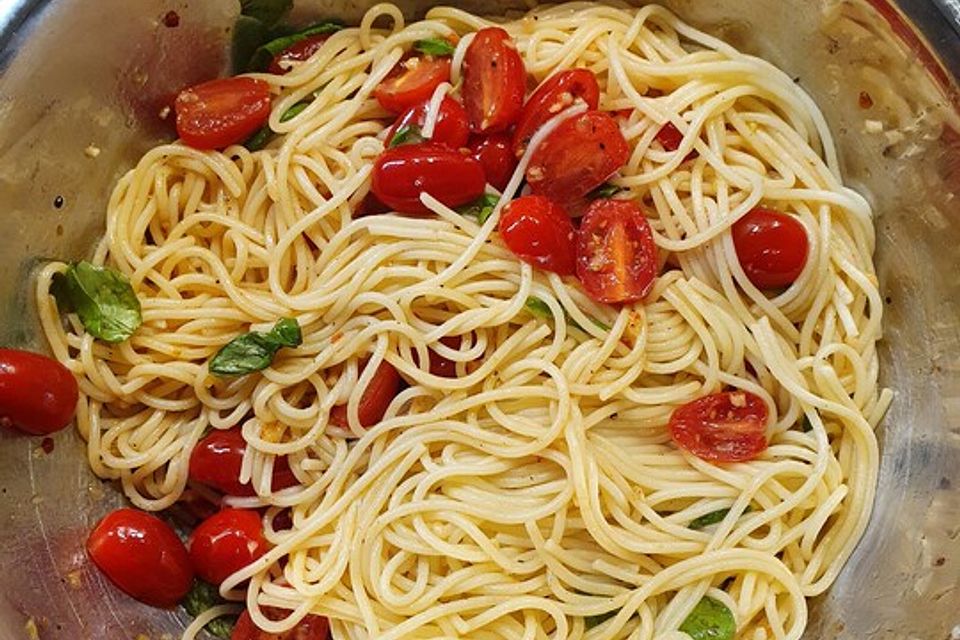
(713, 517)
(539, 308)
(222, 627)
(202, 596)
(260, 139)
(481, 208)
(101, 297)
(269, 12)
(592, 621)
(434, 47)
(248, 34)
(406, 134)
(710, 620)
(294, 111)
(606, 190)
(263, 54)
(254, 351)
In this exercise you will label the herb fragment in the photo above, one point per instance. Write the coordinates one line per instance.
(260, 139)
(481, 208)
(407, 134)
(294, 111)
(606, 190)
(202, 596)
(592, 621)
(254, 351)
(263, 54)
(101, 297)
(713, 517)
(539, 308)
(710, 620)
(434, 47)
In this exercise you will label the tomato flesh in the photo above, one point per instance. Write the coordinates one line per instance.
(225, 543)
(577, 157)
(555, 94)
(495, 154)
(375, 399)
(222, 112)
(772, 247)
(217, 458)
(38, 395)
(411, 82)
(297, 52)
(142, 556)
(402, 173)
(539, 232)
(616, 254)
(494, 81)
(722, 427)
(451, 127)
(312, 627)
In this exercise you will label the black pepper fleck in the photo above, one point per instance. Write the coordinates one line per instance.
(58, 202)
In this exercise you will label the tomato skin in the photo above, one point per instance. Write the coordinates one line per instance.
(555, 94)
(142, 556)
(494, 152)
(494, 81)
(402, 173)
(451, 128)
(670, 139)
(226, 542)
(38, 395)
(716, 429)
(312, 627)
(221, 112)
(297, 52)
(539, 232)
(772, 247)
(577, 157)
(382, 389)
(616, 254)
(216, 460)
(411, 82)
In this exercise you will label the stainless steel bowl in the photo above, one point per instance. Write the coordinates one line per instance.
(81, 84)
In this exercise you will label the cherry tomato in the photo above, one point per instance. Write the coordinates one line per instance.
(577, 157)
(142, 556)
(297, 52)
(370, 206)
(226, 542)
(495, 154)
(401, 174)
(38, 395)
(555, 94)
(772, 247)
(216, 114)
(494, 81)
(451, 127)
(382, 389)
(411, 82)
(539, 231)
(312, 627)
(440, 366)
(217, 458)
(722, 427)
(616, 255)
(670, 139)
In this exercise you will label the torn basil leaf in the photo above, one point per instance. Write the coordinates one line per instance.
(407, 134)
(713, 517)
(710, 620)
(606, 190)
(260, 139)
(434, 47)
(263, 54)
(294, 111)
(101, 297)
(539, 308)
(592, 621)
(269, 12)
(481, 208)
(255, 351)
(202, 596)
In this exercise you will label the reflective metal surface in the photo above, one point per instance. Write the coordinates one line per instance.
(81, 86)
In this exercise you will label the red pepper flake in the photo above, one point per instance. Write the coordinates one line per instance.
(171, 20)
(47, 445)
(865, 100)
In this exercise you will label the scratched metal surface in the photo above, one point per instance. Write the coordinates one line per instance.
(75, 73)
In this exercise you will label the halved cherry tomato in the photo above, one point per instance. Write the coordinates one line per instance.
(577, 157)
(495, 154)
(297, 52)
(382, 389)
(401, 174)
(142, 556)
(216, 114)
(226, 542)
(539, 231)
(670, 139)
(38, 395)
(217, 458)
(411, 82)
(616, 255)
(312, 627)
(555, 94)
(494, 81)
(722, 427)
(440, 366)
(451, 127)
(772, 247)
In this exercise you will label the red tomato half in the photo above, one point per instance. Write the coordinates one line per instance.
(495, 154)
(577, 157)
(494, 81)
(722, 427)
(411, 82)
(670, 139)
(38, 395)
(772, 247)
(216, 114)
(382, 389)
(217, 458)
(312, 627)
(401, 174)
(539, 231)
(616, 255)
(142, 556)
(555, 94)
(297, 52)
(226, 542)
(451, 127)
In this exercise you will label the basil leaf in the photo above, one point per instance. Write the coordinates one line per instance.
(248, 34)
(606, 190)
(434, 47)
(710, 620)
(101, 297)
(539, 308)
(269, 12)
(713, 517)
(262, 56)
(222, 627)
(592, 621)
(254, 351)
(406, 134)
(202, 596)
(294, 111)
(481, 208)
(260, 139)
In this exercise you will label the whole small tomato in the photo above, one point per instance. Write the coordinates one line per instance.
(38, 395)
(226, 542)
